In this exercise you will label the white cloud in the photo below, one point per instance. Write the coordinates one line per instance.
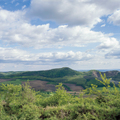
(42, 36)
(11, 18)
(23, 7)
(24, 0)
(16, 59)
(12, 1)
(108, 5)
(109, 43)
(114, 53)
(51, 60)
(72, 12)
(103, 25)
(115, 18)
(17, 4)
(77, 12)
(19, 59)
(15, 29)
(10, 55)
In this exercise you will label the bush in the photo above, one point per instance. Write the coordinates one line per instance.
(21, 103)
(60, 97)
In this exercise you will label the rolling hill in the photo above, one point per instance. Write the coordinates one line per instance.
(47, 79)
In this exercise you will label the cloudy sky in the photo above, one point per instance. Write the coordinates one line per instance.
(46, 34)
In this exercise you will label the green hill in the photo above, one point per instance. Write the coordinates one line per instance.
(63, 75)
(53, 73)
(1, 75)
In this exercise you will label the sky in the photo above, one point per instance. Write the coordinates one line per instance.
(46, 34)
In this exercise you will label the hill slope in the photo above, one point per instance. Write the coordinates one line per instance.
(53, 73)
(67, 76)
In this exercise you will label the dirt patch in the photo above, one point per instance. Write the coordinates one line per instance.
(4, 80)
(108, 74)
(73, 87)
(41, 85)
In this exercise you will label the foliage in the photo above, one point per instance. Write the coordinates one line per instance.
(22, 103)
(68, 88)
(54, 73)
(18, 101)
(93, 81)
(60, 97)
(104, 81)
(56, 76)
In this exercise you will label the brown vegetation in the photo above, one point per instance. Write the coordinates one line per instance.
(4, 80)
(41, 85)
(74, 87)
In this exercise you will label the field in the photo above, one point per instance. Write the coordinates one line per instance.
(110, 88)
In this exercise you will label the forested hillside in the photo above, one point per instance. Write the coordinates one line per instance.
(53, 77)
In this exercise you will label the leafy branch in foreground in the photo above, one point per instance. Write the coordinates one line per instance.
(93, 89)
(104, 81)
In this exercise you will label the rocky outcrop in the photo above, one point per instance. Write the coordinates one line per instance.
(95, 74)
(111, 73)
(108, 73)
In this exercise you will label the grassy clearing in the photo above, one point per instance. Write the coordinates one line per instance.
(110, 88)
(15, 82)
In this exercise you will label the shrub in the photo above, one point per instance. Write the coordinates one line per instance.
(60, 97)
(21, 103)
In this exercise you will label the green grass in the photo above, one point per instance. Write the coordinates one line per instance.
(15, 82)
(12, 82)
(110, 88)
(100, 88)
